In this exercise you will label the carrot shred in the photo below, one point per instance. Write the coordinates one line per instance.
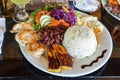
(55, 23)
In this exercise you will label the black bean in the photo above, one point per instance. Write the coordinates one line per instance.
(62, 36)
(45, 33)
(58, 36)
(46, 38)
(48, 43)
(57, 40)
(51, 34)
(55, 33)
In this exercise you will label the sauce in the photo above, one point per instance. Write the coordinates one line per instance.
(101, 56)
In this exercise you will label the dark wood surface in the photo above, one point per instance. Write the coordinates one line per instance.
(22, 68)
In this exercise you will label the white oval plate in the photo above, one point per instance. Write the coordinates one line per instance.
(105, 42)
(103, 3)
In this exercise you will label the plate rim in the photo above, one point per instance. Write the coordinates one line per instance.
(93, 70)
(103, 3)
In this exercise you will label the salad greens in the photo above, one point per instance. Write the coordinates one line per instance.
(78, 14)
(48, 7)
(33, 14)
(69, 17)
(107, 1)
(58, 12)
(118, 1)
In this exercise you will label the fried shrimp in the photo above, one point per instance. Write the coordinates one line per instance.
(28, 39)
(22, 26)
(26, 36)
(35, 49)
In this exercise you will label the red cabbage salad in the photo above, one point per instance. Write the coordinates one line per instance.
(53, 15)
(69, 17)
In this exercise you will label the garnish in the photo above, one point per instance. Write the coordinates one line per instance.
(53, 15)
(113, 2)
(118, 1)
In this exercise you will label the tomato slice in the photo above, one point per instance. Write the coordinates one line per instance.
(37, 17)
(113, 2)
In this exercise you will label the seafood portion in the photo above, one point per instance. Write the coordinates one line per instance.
(28, 39)
(22, 26)
(35, 49)
(25, 37)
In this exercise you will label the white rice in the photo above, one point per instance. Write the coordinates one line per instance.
(80, 41)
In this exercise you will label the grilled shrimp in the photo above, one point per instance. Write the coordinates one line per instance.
(22, 26)
(26, 36)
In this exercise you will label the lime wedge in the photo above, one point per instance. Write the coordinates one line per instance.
(118, 1)
(80, 0)
(20, 2)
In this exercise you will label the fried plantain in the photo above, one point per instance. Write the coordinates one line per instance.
(53, 63)
(64, 58)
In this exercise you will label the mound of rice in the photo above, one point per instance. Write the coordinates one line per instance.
(80, 41)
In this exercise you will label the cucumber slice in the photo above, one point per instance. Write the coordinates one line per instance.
(44, 17)
(45, 22)
(118, 1)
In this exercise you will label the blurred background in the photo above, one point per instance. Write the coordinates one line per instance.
(7, 7)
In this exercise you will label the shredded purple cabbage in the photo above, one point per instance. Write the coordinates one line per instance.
(70, 17)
